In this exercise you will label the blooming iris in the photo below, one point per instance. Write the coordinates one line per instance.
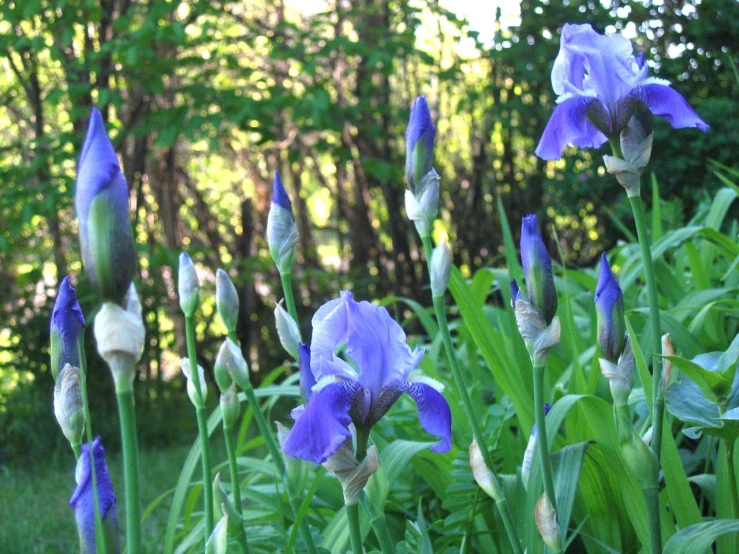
(599, 84)
(609, 306)
(537, 267)
(357, 366)
(67, 329)
(101, 200)
(83, 502)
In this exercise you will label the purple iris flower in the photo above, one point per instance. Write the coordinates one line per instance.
(101, 200)
(83, 502)
(609, 307)
(360, 363)
(67, 329)
(537, 267)
(419, 143)
(599, 83)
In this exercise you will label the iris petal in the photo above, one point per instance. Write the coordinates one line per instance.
(324, 424)
(664, 101)
(569, 123)
(433, 413)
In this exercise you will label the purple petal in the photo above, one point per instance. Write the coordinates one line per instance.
(433, 413)
(609, 306)
(279, 194)
(537, 267)
(307, 380)
(664, 101)
(68, 323)
(569, 124)
(420, 129)
(82, 500)
(324, 424)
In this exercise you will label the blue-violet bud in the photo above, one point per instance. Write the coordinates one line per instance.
(609, 307)
(537, 267)
(282, 233)
(419, 143)
(101, 200)
(67, 329)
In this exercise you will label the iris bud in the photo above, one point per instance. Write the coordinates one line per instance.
(419, 137)
(68, 406)
(620, 375)
(197, 398)
(441, 265)
(287, 331)
(188, 286)
(546, 522)
(220, 368)
(230, 406)
(609, 307)
(227, 301)
(236, 365)
(67, 329)
(101, 200)
(282, 233)
(217, 543)
(485, 478)
(537, 267)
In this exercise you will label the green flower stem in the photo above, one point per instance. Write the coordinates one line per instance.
(202, 426)
(99, 533)
(352, 516)
(651, 495)
(275, 452)
(287, 290)
(379, 525)
(732, 476)
(542, 445)
(501, 501)
(235, 486)
(130, 466)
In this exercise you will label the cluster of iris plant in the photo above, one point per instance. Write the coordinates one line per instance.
(358, 362)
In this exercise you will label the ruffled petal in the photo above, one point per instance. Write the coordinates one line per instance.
(664, 101)
(324, 424)
(433, 412)
(569, 124)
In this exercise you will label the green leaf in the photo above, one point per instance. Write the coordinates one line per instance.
(713, 385)
(700, 537)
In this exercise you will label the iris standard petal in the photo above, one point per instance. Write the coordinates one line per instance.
(324, 424)
(433, 412)
(664, 101)
(569, 123)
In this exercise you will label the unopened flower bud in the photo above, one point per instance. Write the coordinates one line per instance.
(609, 307)
(287, 331)
(195, 382)
(485, 478)
(539, 337)
(236, 364)
(230, 406)
(546, 522)
(67, 329)
(620, 375)
(227, 300)
(537, 267)
(441, 265)
(188, 286)
(220, 367)
(422, 204)
(101, 201)
(68, 406)
(282, 233)
(419, 143)
(120, 335)
(515, 291)
(222, 501)
(667, 350)
(217, 543)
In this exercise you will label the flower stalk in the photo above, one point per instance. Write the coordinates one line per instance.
(541, 429)
(439, 309)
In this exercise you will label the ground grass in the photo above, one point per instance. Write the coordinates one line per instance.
(35, 516)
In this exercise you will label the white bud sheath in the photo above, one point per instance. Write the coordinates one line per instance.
(282, 236)
(197, 400)
(441, 266)
(423, 206)
(484, 477)
(287, 331)
(236, 364)
(188, 286)
(667, 350)
(621, 375)
(528, 457)
(546, 522)
(120, 335)
(352, 473)
(68, 407)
